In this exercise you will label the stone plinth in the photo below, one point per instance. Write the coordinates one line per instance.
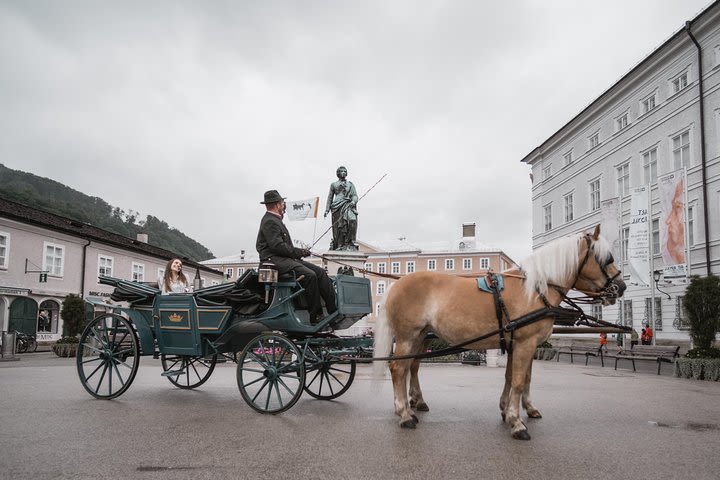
(335, 259)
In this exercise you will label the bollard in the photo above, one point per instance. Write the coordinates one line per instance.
(7, 351)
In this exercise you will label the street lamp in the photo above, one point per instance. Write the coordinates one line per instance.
(656, 277)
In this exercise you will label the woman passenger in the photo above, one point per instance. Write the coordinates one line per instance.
(174, 280)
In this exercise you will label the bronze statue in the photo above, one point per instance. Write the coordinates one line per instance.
(342, 201)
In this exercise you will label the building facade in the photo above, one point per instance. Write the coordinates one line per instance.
(463, 256)
(44, 257)
(659, 123)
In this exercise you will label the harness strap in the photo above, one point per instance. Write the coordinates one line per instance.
(500, 312)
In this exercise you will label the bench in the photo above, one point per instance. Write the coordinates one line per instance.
(657, 353)
(582, 349)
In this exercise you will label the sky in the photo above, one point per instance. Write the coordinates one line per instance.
(190, 111)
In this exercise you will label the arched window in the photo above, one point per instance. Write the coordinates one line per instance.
(48, 316)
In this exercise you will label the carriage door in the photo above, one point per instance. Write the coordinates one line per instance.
(23, 315)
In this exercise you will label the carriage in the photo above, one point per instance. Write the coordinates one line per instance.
(260, 321)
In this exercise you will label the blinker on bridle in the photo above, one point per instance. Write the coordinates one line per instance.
(610, 289)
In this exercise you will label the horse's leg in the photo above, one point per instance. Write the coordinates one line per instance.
(506, 389)
(521, 358)
(399, 370)
(526, 403)
(416, 399)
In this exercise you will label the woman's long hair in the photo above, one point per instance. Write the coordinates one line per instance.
(167, 277)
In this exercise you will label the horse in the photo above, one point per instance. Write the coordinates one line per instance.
(455, 310)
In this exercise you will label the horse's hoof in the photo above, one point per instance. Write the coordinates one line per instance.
(415, 418)
(502, 414)
(409, 423)
(422, 407)
(534, 414)
(521, 435)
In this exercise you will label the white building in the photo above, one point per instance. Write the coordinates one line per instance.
(71, 255)
(661, 117)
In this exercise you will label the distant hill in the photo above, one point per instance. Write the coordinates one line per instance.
(54, 197)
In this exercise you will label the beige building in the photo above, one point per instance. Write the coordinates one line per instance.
(463, 256)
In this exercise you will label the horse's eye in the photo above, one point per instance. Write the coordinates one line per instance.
(610, 259)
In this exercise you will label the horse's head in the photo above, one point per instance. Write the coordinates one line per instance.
(597, 273)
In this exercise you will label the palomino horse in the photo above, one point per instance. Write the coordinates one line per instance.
(454, 309)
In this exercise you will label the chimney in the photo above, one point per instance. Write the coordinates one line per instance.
(142, 237)
(242, 254)
(468, 230)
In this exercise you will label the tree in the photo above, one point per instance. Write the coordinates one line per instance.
(702, 302)
(73, 315)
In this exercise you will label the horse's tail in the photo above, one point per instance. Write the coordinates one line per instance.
(383, 339)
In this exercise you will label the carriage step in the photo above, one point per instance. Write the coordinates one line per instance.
(173, 373)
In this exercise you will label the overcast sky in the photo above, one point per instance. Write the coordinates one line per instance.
(190, 110)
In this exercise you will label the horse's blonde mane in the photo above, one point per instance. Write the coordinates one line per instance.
(558, 262)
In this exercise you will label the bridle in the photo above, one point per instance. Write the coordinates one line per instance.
(609, 290)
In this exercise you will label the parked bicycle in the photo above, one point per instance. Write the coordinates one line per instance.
(24, 342)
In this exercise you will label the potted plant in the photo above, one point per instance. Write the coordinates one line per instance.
(73, 315)
(702, 304)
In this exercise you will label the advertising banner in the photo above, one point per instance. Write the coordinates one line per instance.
(610, 223)
(638, 244)
(671, 193)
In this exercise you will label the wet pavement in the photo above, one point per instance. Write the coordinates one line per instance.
(597, 423)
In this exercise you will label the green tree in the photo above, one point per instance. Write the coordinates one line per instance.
(73, 315)
(702, 302)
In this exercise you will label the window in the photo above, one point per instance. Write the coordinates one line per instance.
(680, 82)
(627, 313)
(381, 267)
(467, 264)
(53, 261)
(105, 266)
(484, 263)
(648, 103)
(240, 271)
(621, 122)
(595, 195)
(161, 273)
(568, 158)
(596, 311)
(547, 217)
(650, 166)
(681, 150)
(681, 321)
(625, 241)
(4, 249)
(623, 179)
(395, 268)
(368, 267)
(449, 264)
(431, 264)
(381, 287)
(691, 225)
(138, 272)
(594, 140)
(568, 205)
(410, 267)
(48, 317)
(547, 172)
(655, 236)
(228, 272)
(657, 312)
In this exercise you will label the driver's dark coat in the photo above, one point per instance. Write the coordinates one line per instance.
(275, 245)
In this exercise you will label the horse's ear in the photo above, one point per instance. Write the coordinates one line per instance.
(596, 233)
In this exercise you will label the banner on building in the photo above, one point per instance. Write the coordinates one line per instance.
(638, 251)
(302, 209)
(673, 246)
(610, 223)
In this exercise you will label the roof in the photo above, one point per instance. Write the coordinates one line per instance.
(459, 245)
(33, 216)
(682, 31)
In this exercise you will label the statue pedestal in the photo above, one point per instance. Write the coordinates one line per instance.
(335, 259)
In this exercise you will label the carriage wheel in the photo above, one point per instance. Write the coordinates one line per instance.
(270, 373)
(108, 356)
(325, 379)
(187, 372)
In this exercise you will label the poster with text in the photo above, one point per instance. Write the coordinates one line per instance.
(638, 244)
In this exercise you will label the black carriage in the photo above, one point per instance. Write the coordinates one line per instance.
(260, 323)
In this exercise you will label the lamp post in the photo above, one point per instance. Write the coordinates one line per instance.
(656, 278)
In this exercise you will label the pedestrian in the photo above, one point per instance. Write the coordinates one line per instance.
(643, 336)
(633, 338)
(648, 335)
(620, 339)
(603, 341)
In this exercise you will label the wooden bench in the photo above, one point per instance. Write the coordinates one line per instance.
(582, 349)
(657, 353)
